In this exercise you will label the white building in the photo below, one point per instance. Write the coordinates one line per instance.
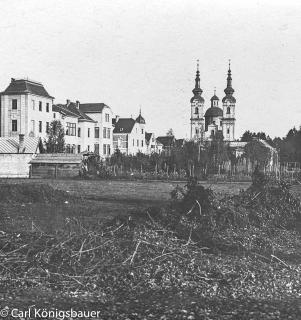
(26, 108)
(129, 135)
(88, 127)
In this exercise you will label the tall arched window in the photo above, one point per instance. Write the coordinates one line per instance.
(196, 111)
(228, 110)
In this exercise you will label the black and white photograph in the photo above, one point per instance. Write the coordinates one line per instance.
(150, 159)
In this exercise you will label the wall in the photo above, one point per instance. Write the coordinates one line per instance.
(15, 165)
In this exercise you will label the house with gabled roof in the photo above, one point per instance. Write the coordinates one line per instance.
(152, 144)
(129, 135)
(88, 127)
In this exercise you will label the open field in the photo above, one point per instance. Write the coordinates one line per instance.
(98, 199)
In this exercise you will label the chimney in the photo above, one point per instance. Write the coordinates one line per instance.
(21, 143)
(67, 102)
(13, 79)
(77, 104)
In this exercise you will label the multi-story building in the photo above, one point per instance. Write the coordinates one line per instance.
(88, 127)
(26, 108)
(129, 135)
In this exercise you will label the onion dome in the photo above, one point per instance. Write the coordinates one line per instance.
(214, 112)
(229, 90)
(197, 91)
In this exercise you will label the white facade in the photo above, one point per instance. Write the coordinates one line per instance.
(24, 110)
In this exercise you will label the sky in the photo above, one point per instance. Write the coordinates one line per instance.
(134, 54)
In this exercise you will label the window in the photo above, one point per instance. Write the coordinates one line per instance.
(14, 125)
(141, 143)
(33, 103)
(109, 149)
(78, 132)
(96, 148)
(96, 132)
(142, 131)
(32, 126)
(47, 107)
(196, 111)
(14, 105)
(40, 105)
(137, 143)
(107, 117)
(47, 127)
(108, 133)
(104, 132)
(133, 143)
(212, 132)
(228, 110)
(40, 126)
(78, 149)
(196, 130)
(88, 132)
(221, 123)
(104, 149)
(54, 115)
(71, 129)
(228, 131)
(88, 148)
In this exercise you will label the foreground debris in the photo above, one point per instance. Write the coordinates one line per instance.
(202, 258)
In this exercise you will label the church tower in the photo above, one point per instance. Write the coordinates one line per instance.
(197, 110)
(228, 121)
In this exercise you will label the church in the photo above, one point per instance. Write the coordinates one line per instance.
(216, 120)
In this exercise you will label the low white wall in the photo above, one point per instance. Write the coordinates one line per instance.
(15, 165)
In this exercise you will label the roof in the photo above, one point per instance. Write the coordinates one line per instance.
(124, 125)
(71, 110)
(25, 86)
(92, 107)
(237, 144)
(214, 112)
(167, 141)
(198, 98)
(140, 119)
(215, 97)
(229, 98)
(148, 136)
(11, 145)
(57, 158)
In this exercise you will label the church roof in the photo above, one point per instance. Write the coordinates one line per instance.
(215, 97)
(214, 112)
(25, 86)
(229, 98)
(198, 98)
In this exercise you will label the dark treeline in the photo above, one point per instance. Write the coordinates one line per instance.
(289, 147)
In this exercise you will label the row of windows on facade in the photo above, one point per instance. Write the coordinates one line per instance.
(71, 131)
(196, 111)
(197, 131)
(137, 142)
(70, 148)
(14, 105)
(14, 124)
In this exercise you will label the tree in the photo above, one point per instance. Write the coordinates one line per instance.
(55, 142)
(170, 132)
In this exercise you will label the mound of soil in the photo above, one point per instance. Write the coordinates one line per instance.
(31, 193)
